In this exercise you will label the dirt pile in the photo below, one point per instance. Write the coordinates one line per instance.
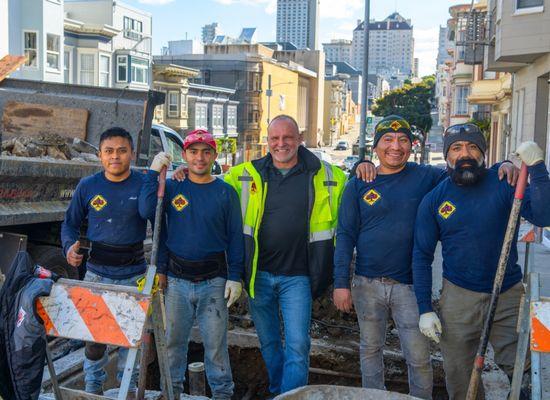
(50, 146)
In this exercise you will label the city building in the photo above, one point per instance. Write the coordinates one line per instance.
(185, 46)
(34, 29)
(298, 23)
(391, 46)
(415, 68)
(173, 81)
(338, 50)
(354, 81)
(209, 32)
(267, 82)
(107, 43)
(519, 43)
(4, 31)
(443, 45)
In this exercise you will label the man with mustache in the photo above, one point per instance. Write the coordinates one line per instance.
(377, 219)
(468, 213)
(289, 203)
(200, 261)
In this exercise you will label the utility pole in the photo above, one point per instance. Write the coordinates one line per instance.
(364, 84)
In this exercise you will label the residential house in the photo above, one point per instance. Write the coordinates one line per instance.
(519, 43)
(34, 29)
(108, 44)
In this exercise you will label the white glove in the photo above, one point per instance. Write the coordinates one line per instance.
(530, 153)
(233, 291)
(430, 326)
(162, 159)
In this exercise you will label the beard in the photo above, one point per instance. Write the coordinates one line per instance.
(467, 172)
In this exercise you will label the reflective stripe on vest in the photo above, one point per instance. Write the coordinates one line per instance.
(245, 179)
(321, 235)
(330, 182)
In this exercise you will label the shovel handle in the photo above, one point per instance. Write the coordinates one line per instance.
(162, 183)
(522, 182)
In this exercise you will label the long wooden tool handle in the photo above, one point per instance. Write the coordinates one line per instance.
(475, 378)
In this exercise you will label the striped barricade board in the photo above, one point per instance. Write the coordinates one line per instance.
(95, 312)
(540, 325)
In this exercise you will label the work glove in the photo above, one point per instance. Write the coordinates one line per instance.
(530, 153)
(233, 291)
(430, 326)
(162, 159)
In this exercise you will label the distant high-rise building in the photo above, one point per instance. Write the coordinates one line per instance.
(391, 46)
(298, 23)
(338, 50)
(442, 53)
(415, 68)
(209, 32)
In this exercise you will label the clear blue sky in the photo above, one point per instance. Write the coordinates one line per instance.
(174, 19)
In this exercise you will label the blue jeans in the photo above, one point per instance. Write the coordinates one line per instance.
(287, 367)
(374, 301)
(204, 301)
(94, 370)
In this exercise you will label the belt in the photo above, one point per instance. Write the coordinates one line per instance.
(388, 281)
(115, 255)
(198, 271)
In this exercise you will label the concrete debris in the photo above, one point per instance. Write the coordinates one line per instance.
(50, 146)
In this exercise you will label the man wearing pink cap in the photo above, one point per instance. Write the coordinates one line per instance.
(201, 259)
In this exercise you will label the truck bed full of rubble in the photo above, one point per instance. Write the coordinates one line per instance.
(50, 146)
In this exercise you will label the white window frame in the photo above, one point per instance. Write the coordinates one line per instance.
(132, 33)
(68, 66)
(200, 115)
(171, 112)
(144, 68)
(37, 58)
(527, 10)
(217, 116)
(119, 64)
(79, 66)
(231, 116)
(53, 52)
(100, 72)
(461, 89)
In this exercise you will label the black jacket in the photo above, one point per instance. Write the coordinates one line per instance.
(22, 334)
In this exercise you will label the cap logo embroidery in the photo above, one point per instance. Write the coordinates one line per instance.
(371, 197)
(446, 209)
(98, 202)
(179, 202)
(395, 125)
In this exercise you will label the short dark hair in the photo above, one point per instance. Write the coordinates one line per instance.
(116, 132)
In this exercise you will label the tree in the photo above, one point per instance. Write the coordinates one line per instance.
(414, 103)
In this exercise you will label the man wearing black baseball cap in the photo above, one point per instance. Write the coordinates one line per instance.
(469, 213)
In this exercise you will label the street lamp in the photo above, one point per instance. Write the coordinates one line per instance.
(364, 84)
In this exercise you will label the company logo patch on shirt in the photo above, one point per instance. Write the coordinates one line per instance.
(446, 209)
(98, 202)
(180, 202)
(253, 188)
(371, 197)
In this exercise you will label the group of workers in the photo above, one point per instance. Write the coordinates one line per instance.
(288, 224)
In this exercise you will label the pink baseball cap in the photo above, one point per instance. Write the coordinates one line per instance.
(199, 136)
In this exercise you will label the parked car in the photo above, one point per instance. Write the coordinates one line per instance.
(322, 155)
(350, 161)
(342, 145)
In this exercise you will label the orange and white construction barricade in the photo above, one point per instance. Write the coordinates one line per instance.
(107, 314)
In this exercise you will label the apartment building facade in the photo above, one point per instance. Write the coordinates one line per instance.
(338, 50)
